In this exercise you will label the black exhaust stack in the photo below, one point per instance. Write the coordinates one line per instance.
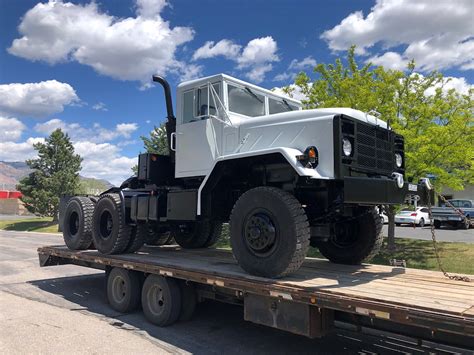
(171, 119)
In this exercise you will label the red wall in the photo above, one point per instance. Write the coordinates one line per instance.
(10, 194)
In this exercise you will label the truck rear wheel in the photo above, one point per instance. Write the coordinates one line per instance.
(157, 235)
(269, 232)
(199, 234)
(77, 223)
(161, 300)
(355, 240)
(110, 232)
(123, 289)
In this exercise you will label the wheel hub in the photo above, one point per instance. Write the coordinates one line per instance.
(106, 224)
(260, 232)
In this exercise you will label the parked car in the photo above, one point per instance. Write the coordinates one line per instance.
(418, 217)
(446, 215)
(382, 215)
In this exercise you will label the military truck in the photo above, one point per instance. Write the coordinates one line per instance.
(283, 177)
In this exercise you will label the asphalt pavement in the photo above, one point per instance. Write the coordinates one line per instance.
(63, 309)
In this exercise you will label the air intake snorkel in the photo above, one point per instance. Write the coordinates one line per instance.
(171, 119)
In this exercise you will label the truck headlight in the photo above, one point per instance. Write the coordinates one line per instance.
(398, 160)
(346, 147)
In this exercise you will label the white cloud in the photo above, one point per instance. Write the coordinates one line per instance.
(224, 47)
(104, 161)
(94, 134)
(255, 58)
(295, 67)
(306, 63)
(389, 60)
(10, 129)
(11, 151)
(437, 34)
(36, 99)
(130, 48)
(459, 84)
(100, 106)
(295, 92)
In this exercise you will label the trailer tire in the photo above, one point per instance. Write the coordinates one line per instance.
(269, 232)
(161, 300)
(188, 300)
(361, 241)
(123, 289)
(110, 232)
(77, 224)
(199, 234)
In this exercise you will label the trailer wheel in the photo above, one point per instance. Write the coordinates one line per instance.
(110, 232)
(269, 232)
(77, 223)
(197, 235)
(188, 300)
(161, 300)
(123, 289)
(355, 241)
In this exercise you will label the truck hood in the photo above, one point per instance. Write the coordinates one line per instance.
(314, 114)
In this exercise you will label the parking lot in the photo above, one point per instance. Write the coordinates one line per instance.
(445, 234)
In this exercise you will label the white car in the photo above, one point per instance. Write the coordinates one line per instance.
(419, 217)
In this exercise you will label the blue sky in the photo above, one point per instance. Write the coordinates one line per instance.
(86, 67)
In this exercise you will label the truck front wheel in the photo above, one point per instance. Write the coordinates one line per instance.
(355, 240)
(110, 232)
(269, 232)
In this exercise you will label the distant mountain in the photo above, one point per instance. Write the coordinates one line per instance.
(12, 172)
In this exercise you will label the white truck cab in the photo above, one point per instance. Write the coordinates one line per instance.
(285, 178)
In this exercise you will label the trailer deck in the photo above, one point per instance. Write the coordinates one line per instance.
(415, 302)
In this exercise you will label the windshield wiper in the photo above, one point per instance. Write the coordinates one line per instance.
(287, 104)
(253, 94)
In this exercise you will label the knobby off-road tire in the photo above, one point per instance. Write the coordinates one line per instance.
(77, 224)
(110, 232)
(161, 300)
(156, 235)
(269, 232)
(123, 290)
(361, 241)
(201, 234)
(136, 241)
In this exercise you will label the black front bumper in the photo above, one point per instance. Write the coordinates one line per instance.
(375, 191)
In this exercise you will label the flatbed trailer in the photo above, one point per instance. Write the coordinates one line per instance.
(416, 303)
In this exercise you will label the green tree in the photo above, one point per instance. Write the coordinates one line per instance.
(437, 124)
(156, 142)
(55, 172)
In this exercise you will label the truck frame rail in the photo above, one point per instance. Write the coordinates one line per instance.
(416, 303)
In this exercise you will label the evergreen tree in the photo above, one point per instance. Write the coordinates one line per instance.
(55, 172)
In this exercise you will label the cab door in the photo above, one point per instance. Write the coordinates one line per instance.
(198, 135)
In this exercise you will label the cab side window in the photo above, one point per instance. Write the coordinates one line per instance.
(188, 106)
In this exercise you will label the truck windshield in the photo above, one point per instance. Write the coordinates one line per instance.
(280, 105)
(245, 101)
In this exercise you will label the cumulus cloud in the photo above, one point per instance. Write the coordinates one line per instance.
(95, 134)
(104, 161)
(444, 40)
(12, 151)
(36, 99)
(255, 58)
(210, 49)
(130, 48)
(458, 84)
(390, 60)
(295, 67)
(10, 129)
(100, 106)
(291, 91)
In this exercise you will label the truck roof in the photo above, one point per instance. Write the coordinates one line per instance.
(220, 77)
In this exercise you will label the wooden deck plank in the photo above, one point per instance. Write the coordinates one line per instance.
(405, 287)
